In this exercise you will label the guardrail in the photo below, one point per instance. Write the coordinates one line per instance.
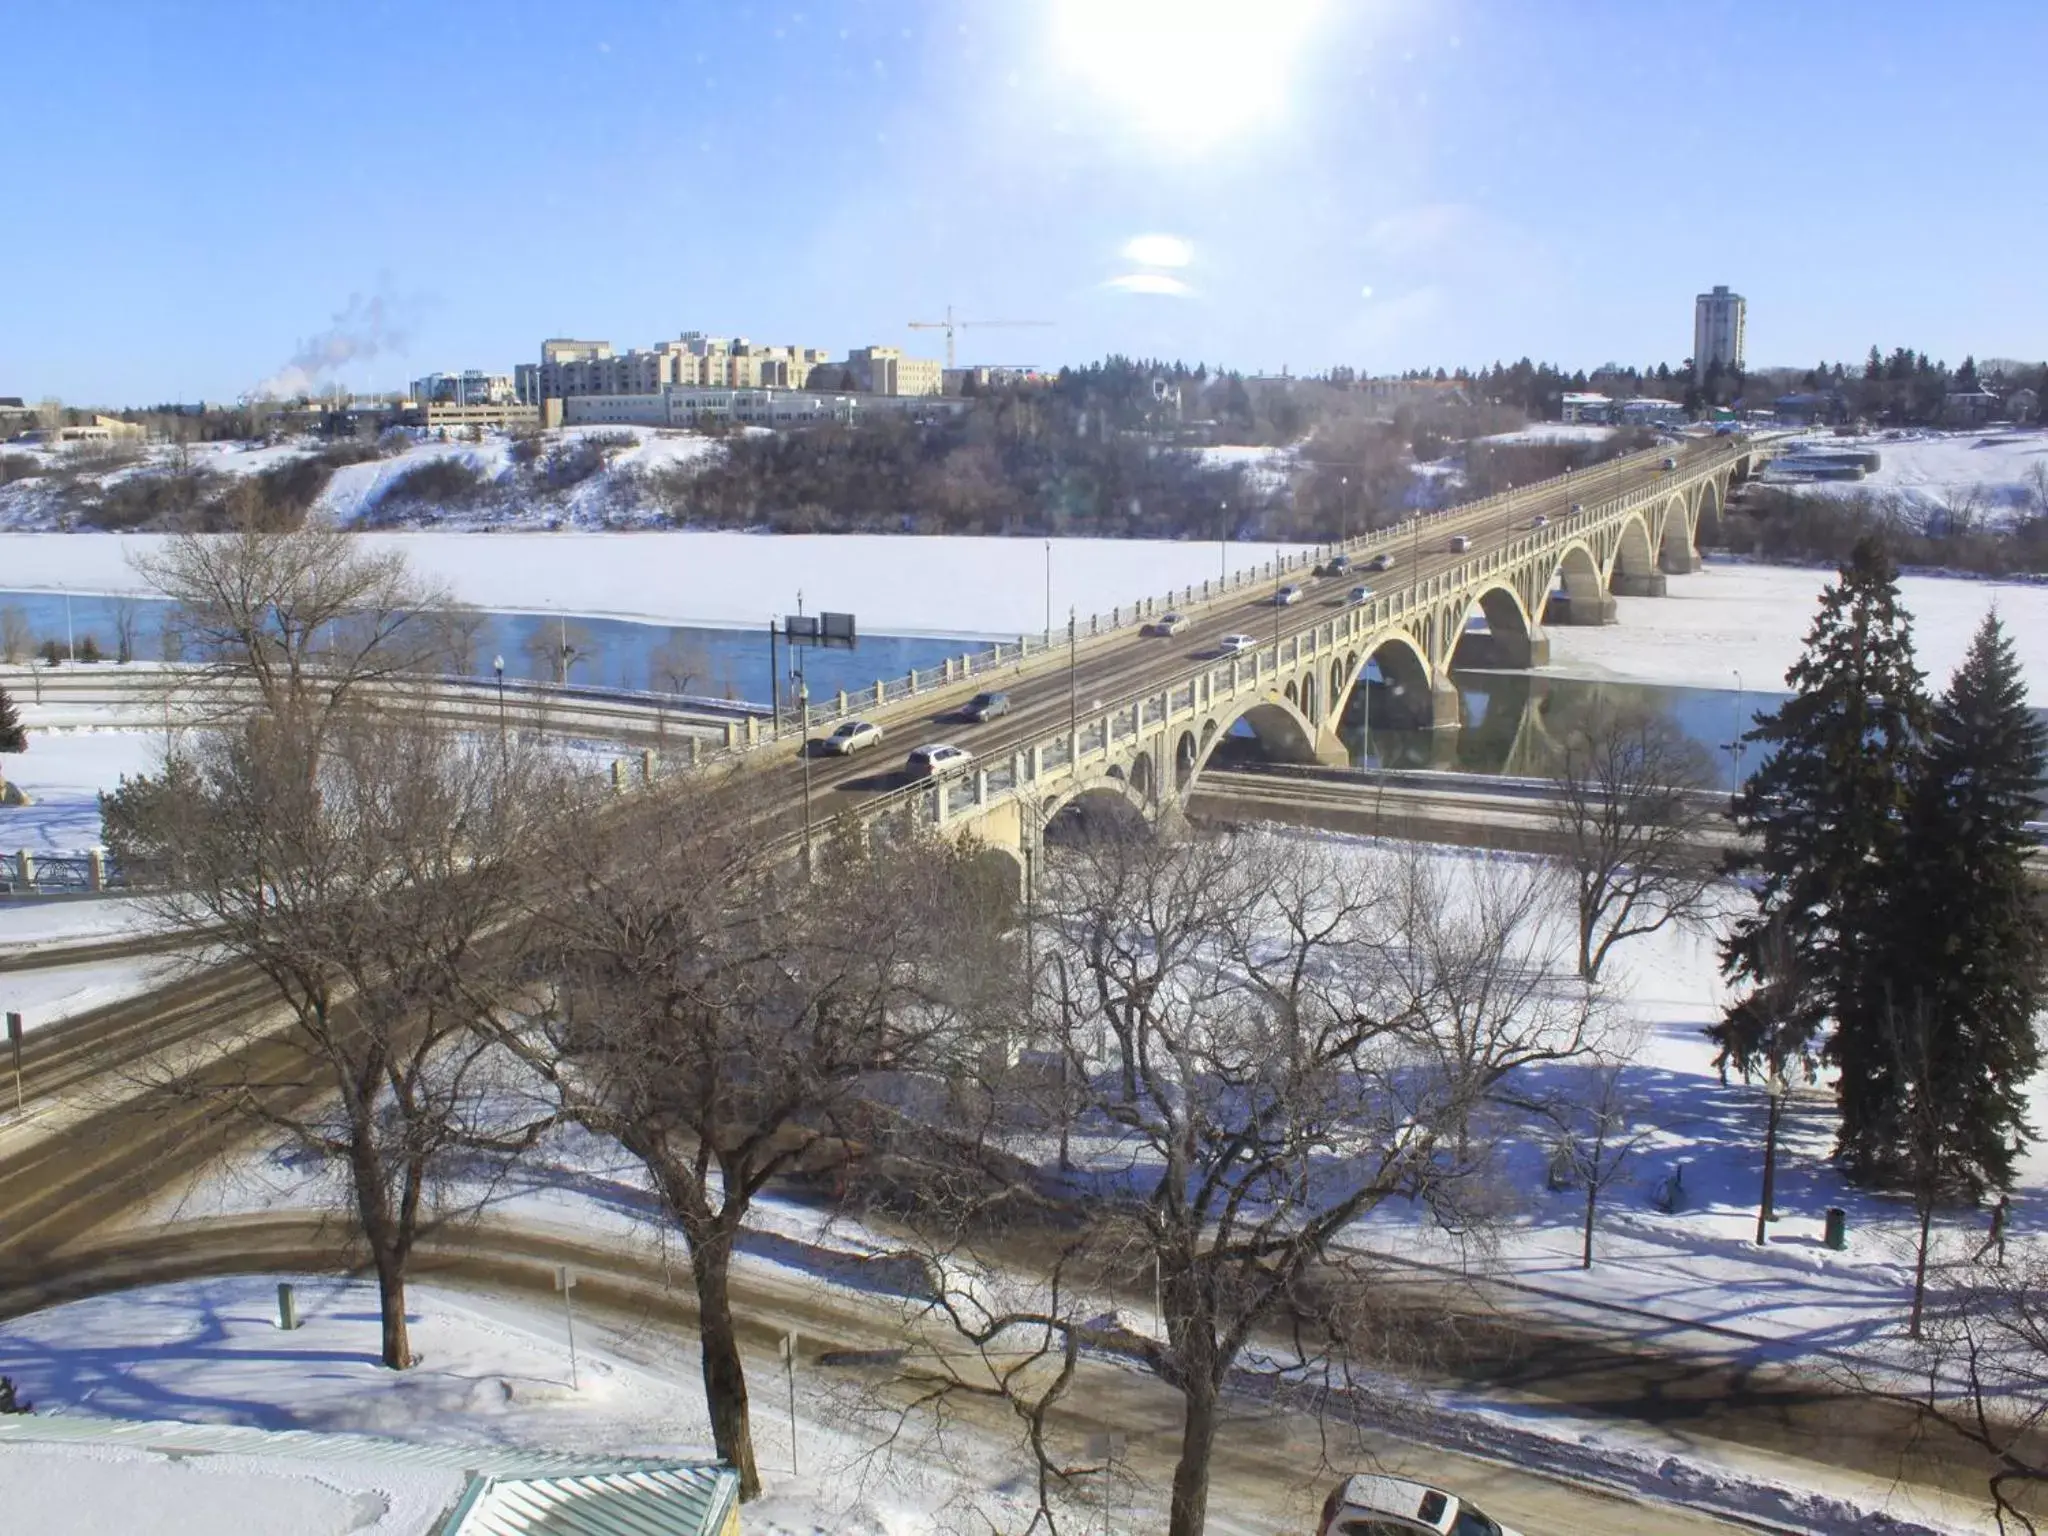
(89, 873)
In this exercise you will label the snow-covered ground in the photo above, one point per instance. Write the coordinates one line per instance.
(894, 584)
(50, 994)
(1554, 432)
(2005, 471)
(1266, 469)
(63, 773)
(1732, 617)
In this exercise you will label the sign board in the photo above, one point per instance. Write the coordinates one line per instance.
(834, 631)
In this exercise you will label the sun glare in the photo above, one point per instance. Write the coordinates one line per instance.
(1190, 73)
(1158, 251)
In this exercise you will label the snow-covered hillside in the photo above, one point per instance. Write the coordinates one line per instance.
(2004, 473)
(592, 477)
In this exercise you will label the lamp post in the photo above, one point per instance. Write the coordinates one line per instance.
(803, 700)
(1073, 687)
(1766, 1210)
(1735, 746)
(498, 666)
(1343, 510)
(1048, 594)
(1223, 545)
(1276, 607)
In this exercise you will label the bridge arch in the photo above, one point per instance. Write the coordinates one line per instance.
(1674, 547)
(1708, 521)
(1509, 640)
(1283, 733)
(1578, 574)
(1633, 557)
(1187, 752)
(1405, 675)
(1107, 805)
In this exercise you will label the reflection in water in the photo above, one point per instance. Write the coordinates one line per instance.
(1514, 722)
(615, 653)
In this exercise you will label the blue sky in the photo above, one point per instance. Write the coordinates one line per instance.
(1385, 183)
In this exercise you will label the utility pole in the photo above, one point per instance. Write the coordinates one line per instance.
(498, 665)
(565, 1282)
(1073, 683)
(1048, 594)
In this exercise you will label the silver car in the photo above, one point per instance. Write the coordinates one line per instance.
(851, 737)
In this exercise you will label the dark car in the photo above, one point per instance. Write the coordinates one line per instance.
(985, 706)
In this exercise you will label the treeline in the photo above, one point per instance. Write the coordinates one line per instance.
(1802, 527)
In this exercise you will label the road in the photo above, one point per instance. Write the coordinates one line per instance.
(1272, 1467)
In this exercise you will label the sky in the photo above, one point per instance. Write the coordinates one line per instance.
(230, 195)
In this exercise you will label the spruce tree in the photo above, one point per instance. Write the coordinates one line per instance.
(1968, 942)
(13, 736)
(1826, 808)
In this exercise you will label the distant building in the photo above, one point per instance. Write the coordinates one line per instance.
(2023, 405)
(1719, 330)
(686, 405)
(571, 368)
(101, 429)
(1810, 407)
(886, 371)
(15, 414)
(1588, 408)
(1650, 411)
(499, 415)
(1969, 407)
(471, 387)
(988, 376)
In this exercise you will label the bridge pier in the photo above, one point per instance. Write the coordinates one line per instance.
(1593, 608)
(1649, 585)
(1679, 564)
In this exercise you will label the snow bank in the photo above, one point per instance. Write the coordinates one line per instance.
(63, 772)
(1752, 619)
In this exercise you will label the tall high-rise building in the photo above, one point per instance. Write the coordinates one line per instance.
(1718, 321)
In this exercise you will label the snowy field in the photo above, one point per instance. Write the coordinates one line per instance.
(894, 584)
(63, 772)
(1751, 619)
(2006, 471)
(1554, 432)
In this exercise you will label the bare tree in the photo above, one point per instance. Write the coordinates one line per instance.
(1981, 1365)
(1596, 1131)
(1628, 803)
(554, 649)
(307, 617)
(126, 618)
(369, 881)
(677, 662)
(724, 1018)
(1268, 1042)
(17, 641)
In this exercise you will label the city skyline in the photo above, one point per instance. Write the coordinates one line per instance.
(1308, 185)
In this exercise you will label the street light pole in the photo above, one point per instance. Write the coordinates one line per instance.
(1073, 683)
(498, 665)
(803, 696)
(1048, 594)
(1735, 746)
(1276, 608)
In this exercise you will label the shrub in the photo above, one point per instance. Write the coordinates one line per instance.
(19, 466)
(442, 482)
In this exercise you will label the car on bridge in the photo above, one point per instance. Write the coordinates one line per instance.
(1669, 462)
(1167, 625)
(985, 706)
(1287, 595)
(928, 762)
(1368, 1505)
(1360, 594)
(1230, 645)
(851, 737)
(1380, 563)
(1542, 519)
(1336, 565)
(1460, 543)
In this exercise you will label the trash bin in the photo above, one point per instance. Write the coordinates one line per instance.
(1836, 1234)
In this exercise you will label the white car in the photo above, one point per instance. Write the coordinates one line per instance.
(1542, 519)
(1394, 1506)
(851, 737)
(929, 762)
(1230, 645)
(1286, 595)
(1167, 624)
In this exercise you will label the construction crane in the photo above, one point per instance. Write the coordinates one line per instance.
(949, 325)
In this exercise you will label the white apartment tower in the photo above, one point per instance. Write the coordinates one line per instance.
(1718, 321)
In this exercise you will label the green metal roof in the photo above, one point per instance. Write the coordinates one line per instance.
(669, 1501)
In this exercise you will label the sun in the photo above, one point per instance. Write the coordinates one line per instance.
(1189, 73)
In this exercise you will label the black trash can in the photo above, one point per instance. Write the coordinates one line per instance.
(1836, 1234)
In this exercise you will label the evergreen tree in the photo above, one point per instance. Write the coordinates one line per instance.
(13, 736)
(1827, 805)
(1967, 947)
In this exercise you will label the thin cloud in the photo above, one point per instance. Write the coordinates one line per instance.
(1156, 283)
